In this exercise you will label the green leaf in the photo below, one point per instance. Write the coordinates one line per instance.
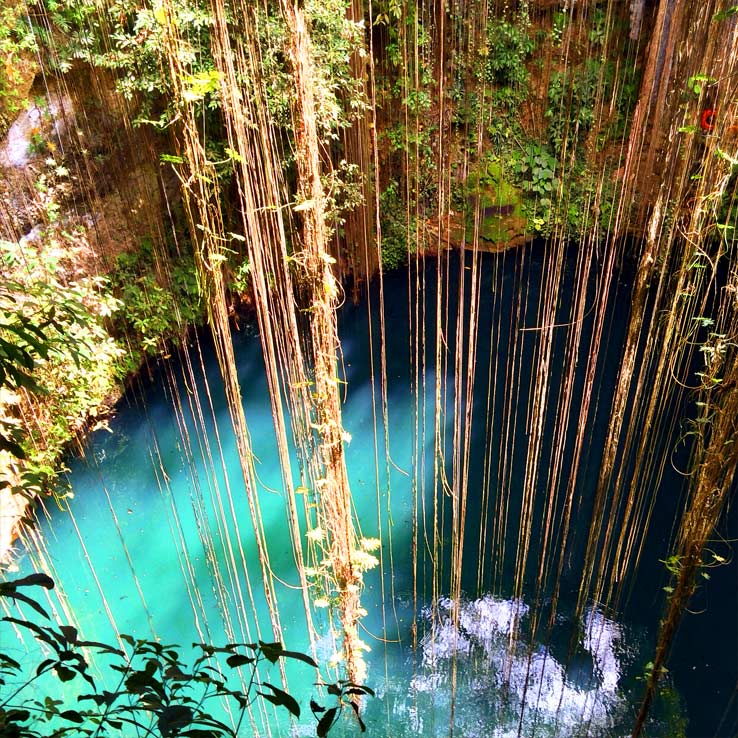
(725, 14)
(280, 697)
(233, 154)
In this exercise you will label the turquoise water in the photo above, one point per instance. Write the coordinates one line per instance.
(147, 543)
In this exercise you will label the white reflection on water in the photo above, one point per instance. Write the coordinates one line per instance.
(499, 676)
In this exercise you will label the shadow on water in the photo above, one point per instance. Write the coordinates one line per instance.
(165, 520)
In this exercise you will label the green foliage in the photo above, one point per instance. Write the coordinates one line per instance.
(501, 77)
(412, 133)
(31, 325)
(628, 85)
(15, 34)
(129, 40)
(17, 49)
(560, 24)
(396, 228)
(726, 216)
(155, 310)
(156, 693)
(240, 281)
(598, 27)
(343, 186)
(508, 47)
(338, 94)
(388, 12)
(56, 358)
(697, 82)
(571, 102)
(536, 168)
(729, 12)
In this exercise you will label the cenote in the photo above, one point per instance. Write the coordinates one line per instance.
(149, 546)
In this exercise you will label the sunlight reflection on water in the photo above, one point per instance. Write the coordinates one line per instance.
(497, 673)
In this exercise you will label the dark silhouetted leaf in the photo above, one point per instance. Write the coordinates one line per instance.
(103, 647)
(42, 634)
(98, 699)
(172, 719)
(64, 674)
(359, 690)
(280, 697)
(234, 646)
(140, 682)
(325, 723)
(299, 657)
(238, 660)
(69, 632)
(72, 715)
(17, 716)
(45, 664)
(223, 729)
(358, 717)
(12, 447)
(271, 651)
(175, 673)
(315, 707)
(41, 580)
(30, 602)
(6, 661)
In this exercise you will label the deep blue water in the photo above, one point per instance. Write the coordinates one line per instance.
(147, 498)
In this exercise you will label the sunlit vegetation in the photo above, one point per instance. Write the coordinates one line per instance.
(202, 164)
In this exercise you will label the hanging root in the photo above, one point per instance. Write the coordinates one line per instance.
(717, 459)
